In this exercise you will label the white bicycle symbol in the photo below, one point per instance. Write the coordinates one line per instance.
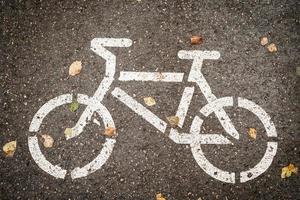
(194, 138)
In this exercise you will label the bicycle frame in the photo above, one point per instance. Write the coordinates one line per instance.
(98, 46)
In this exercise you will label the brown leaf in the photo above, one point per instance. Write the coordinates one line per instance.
(252, 133)
(264, 41)
(48, 141)
(272, 48)
(159, 196)
(173, 120)
(75, 68)
(10, 148)
(196, 40)
(149, 101)
(110, 131)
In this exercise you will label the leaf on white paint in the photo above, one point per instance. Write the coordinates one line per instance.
(173, 120)
(110, 131)
(149, 101)
(10, 148)
(74, 105)
(47, 140)
(68, 132)
(75, 68)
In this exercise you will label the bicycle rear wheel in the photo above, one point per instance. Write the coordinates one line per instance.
(226, 176)
(55, 170)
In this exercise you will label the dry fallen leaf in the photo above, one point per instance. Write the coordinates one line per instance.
(196, 40)
(74, 105)
(264, 41)
(10, 148)
(75, 68)
(173, 120)
(110, 131)
(160, 76)
(252, 133)
(288, 170)
(159, 196)
(149, 101)
(272, 48)
(48, 141)
(68, 132)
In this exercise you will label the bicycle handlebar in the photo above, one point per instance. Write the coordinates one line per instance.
(111, 42)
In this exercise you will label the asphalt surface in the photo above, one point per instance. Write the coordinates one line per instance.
(40, 39)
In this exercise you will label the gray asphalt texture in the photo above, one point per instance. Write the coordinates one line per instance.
(40, 39)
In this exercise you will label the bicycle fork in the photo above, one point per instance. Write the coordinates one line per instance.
(196, 76)
(98, 46)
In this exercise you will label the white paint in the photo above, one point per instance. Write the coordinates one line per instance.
(42, 162)
(46, 108)
(221, 175)
(56, 171)
(96, 122)
(151, 76)
(262, 166)
(97, 163)
(184, 104)
(217, 173)
(261, 114)
(195, 137)
(98, 46)
(139, 109)
(196, 76)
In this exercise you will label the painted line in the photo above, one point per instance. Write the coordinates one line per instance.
(151, 76)
(262, 166)
(139, 109)
(98, 46)
(97, 163)
(184, 104)
(42, 162)
(46, 108)
(112, 42)
(221, 175)
(56, 171)
(196, 76)
(96, 122)
(217, 107)
(261, 114)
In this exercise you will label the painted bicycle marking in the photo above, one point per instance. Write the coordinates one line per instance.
(194, 138)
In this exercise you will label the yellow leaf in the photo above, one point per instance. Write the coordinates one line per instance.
(288, 170)
(149, 101)
(264, 41)
(75, 68)
(173, 120)
(10, 148)
(272, 48)
(110, 131)
(68, 132)
(252, 133)
(48, 141)
(159, 196)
